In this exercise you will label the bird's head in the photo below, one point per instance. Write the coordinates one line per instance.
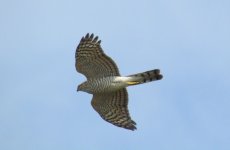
(80, 87)
(84, 87)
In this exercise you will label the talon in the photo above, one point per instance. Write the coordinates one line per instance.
(132, 82)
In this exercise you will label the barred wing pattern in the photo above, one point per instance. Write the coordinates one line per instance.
(92, 61)
(112, 107)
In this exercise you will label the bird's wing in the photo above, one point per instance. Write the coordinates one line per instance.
(92, 61)
(113, 107)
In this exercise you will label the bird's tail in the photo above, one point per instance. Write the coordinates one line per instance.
(145, 77)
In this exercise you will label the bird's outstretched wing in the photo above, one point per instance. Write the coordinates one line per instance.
(92, 61)
(112, 107)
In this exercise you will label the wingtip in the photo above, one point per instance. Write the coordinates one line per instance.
(95, 39)
(99, 42)
(133, 128)
(87, 35)
(91, 36)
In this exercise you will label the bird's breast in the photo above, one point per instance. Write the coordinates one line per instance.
(106, 84)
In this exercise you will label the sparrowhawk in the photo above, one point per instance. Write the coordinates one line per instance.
(110, 97)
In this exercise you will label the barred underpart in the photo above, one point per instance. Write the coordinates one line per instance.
(110, 97)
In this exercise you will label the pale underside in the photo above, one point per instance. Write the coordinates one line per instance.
(94, 63)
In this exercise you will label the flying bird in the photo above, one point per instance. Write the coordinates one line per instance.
(110, 97)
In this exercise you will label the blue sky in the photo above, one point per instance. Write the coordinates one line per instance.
(188, 40)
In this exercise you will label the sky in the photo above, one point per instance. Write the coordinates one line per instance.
(189, 41)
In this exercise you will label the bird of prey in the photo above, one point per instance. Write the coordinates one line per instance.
(110, 97)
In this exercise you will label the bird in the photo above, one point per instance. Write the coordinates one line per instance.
(104, 82)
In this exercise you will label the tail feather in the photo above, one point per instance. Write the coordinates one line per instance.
(147, 76)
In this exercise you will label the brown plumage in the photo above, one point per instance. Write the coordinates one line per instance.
(110, 97)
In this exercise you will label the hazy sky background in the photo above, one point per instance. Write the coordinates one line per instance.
(188, 40)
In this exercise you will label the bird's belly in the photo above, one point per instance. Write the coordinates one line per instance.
(107, 85)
